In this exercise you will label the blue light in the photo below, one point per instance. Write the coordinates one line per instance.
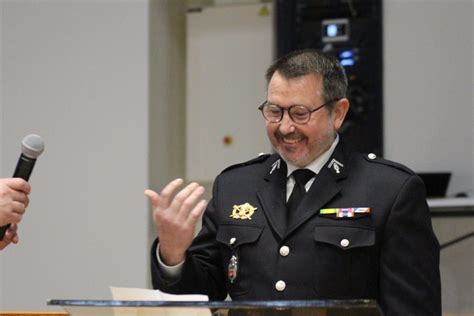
(347, 62)
(346, 54)
(331, 30)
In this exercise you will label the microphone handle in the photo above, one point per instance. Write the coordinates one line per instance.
(23, 170)
(24, 167)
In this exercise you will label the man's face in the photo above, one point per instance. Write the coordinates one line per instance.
(300, 144)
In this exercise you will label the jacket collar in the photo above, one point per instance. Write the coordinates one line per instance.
(325, 187)
(272, 192)
(319, 162)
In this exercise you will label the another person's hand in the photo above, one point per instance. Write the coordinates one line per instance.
(175, 217)
(11, 236)
(13, 200)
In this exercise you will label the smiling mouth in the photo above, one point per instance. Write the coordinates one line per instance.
(291, 141)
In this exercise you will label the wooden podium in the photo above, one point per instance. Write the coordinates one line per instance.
(358, 307)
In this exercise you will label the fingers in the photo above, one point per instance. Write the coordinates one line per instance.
(192, 196)
(153, 196)
(10, 235)
(13, 199)
(15, 238)
(21, 197)
(168, 191)
(12, 232)
(163, 200)
(18, 184)
(179, 205)
(197, 211)
(182, 195)
(187, 201)
(13, 213)
(18, 209)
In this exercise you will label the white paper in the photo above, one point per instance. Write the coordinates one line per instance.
(135, 294)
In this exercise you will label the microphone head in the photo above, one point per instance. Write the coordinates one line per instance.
(32, 146)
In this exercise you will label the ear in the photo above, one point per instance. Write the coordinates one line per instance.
(339, 112)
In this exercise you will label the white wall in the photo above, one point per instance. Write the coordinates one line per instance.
(225, 47)
(429, 118)
(76, 72)
(428, 110)
(167, 90)
(167, 93)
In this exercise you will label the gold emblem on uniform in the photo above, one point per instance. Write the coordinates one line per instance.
(244, 211)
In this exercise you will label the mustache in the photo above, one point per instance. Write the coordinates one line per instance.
(294, 135)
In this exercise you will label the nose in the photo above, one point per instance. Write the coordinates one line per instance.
(286, 124)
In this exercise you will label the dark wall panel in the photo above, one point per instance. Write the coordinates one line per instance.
(351, 31)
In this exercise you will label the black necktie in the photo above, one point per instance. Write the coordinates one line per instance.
(301, 177)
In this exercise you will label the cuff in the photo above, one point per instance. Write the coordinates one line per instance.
(169, 271)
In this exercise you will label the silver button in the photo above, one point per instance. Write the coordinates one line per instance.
(232, 240)
(372, 156)
(284, 251)
(344, 243)
(280, 285)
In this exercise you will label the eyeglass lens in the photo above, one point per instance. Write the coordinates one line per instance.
(274, 113)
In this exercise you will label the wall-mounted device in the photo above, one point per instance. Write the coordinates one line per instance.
(335, 30)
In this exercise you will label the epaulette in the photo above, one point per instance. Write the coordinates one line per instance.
(260, 158)
(373, 158)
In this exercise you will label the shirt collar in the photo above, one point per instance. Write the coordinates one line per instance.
(317, 164)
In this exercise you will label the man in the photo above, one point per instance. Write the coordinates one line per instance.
(357, 227)
(13, 202)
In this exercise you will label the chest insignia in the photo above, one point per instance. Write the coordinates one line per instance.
(244, 211)
(345, 212)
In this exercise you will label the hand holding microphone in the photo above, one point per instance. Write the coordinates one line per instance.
(14, 191)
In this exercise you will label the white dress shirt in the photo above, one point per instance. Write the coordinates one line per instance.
(315, 166)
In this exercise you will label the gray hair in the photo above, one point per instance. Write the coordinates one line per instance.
(310, 61)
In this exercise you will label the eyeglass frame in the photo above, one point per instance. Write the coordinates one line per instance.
(289, 109)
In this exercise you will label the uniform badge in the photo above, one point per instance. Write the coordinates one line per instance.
(345, 212)
(233, 268)
(244, 211)
(336, 165)
(276, 165)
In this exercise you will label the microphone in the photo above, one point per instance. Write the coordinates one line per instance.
(31, 147)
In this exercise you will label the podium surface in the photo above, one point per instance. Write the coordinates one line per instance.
(359, 307)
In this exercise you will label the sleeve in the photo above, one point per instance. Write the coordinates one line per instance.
(202, 271)
(409, 276)
(169, 271)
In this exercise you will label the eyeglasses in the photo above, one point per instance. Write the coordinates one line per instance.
(299, 114)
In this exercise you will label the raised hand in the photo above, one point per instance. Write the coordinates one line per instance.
(175, 216)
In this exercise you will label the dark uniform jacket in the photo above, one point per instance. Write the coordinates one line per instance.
(389, 254)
